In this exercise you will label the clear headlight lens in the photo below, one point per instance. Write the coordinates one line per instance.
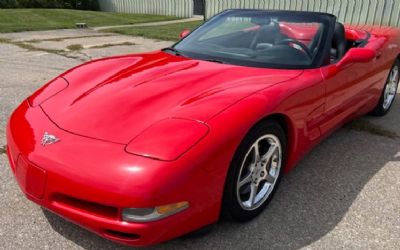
(153, 214)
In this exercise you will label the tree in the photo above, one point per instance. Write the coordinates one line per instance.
(69, 4)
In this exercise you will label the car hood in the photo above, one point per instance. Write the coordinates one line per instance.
(115, 99)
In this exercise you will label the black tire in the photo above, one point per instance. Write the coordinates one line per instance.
(231, 208)
(380, 109)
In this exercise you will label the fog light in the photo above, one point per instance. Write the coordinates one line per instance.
(153, 214)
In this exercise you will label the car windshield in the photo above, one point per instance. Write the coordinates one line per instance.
(276, 39)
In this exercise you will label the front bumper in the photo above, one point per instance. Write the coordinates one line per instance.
(89, 182)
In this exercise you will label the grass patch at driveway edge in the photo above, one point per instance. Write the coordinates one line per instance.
(168, 32)
(16, 20)
(3, 150)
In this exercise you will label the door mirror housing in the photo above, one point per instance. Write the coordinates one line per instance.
(184, 33)
(357, 55)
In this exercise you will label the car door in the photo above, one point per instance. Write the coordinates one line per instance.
(348, 84)
(345, 91)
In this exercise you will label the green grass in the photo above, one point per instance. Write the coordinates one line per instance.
(13, 20)
(112, 45)
(168, 32)
(3, 150)
(74, 47)
(30, 47)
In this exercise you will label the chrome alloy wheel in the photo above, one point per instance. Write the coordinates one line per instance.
(259, 172)
(391, 88)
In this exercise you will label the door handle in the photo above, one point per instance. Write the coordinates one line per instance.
(378, 55)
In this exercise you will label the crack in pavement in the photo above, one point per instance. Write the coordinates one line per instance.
(3, 149)
(369, 127)
(85, 55)
(30, 47)
(56, 39)
(73, 53)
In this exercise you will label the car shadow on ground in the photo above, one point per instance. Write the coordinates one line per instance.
(310, 202)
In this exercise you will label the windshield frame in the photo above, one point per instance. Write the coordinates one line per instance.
(319, 59)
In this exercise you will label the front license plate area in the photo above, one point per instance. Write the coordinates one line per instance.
(31, 178)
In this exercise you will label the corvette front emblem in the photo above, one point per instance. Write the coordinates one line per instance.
(48, 139)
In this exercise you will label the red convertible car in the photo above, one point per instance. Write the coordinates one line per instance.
(144, 148)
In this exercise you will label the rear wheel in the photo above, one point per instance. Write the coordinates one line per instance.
(389, 91)
(255, 172)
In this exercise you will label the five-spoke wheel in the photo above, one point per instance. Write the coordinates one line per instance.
(255, 171)
(389, 92)
(259, 171)
(391, 87)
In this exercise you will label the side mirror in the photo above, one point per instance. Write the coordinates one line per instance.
(184, 33)
(357, 55)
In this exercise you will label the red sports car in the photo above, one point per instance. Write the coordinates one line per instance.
(146, 147)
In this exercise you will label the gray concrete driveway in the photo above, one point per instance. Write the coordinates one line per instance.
(344, 195)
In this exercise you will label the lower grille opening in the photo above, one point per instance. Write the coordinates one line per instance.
(86, 206)
(121, 235)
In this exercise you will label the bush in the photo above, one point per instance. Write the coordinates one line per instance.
(81, 5)
(8, 4)
(68, 4)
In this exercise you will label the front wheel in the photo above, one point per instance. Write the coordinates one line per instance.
(255, 172)
(389, 91)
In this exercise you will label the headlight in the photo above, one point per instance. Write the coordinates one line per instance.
(153, 214)
(168, 139)
(47, 91)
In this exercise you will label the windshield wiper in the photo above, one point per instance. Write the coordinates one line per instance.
(173, 50)
(214, 60)
(178, 53)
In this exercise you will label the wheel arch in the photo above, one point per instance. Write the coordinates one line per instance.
(288, 127)
(286, 123)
